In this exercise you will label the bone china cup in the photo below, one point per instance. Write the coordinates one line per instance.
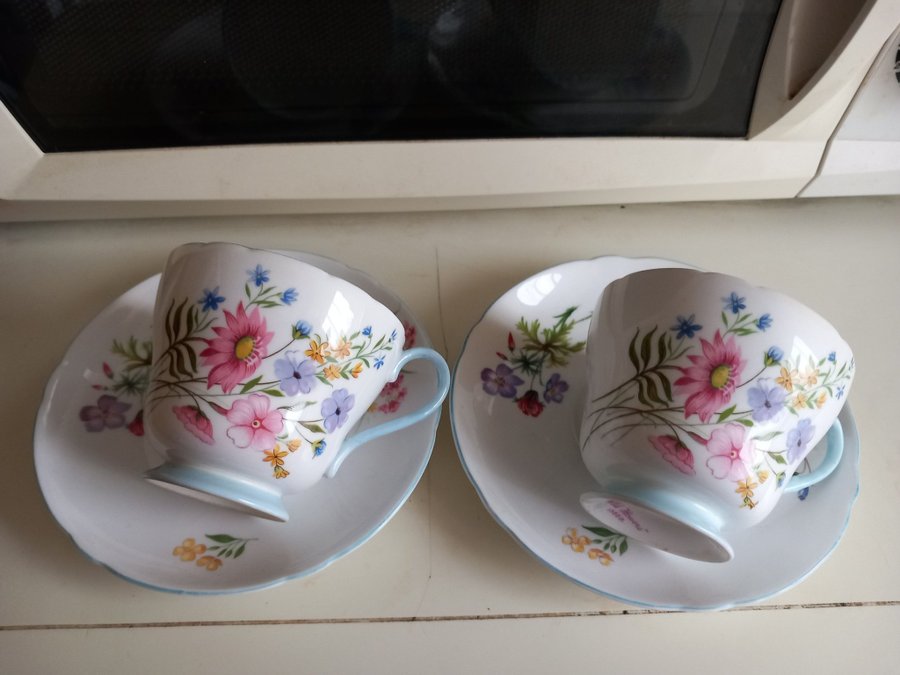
(705, 395)
(263, 365)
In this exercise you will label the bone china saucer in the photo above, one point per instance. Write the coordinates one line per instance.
(515, 402)
(90, 458)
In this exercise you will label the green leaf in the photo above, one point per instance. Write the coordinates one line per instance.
(240, 550)
(192, 357)
(247, 290)
(623, 547)
(725, 414)
(632, 352)
(667, 387)
(191, 318)
(272, 392)
(250, 384)
(646, 347)
(169, 336)
(221, 538)
(652, 391)
(642, 396)
(724, 319)
(313, 427)
(778, 457)
(180, 364)
(600, 531)
(661, 347)
(745, 422)
(767, 437)
(176, 320)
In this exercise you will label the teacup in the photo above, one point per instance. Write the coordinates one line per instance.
(263, 365)
(705, 396)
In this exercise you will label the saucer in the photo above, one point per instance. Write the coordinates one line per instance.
(515, 406)
(90, 457)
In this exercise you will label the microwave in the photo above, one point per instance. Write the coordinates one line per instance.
(122, 108)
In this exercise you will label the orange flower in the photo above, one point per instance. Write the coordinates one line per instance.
(317, 352)
(211, 563)
(787, 379)
(357, 369)
(342, 351)
(763, 476)
(572, 539)
(821, 398)
(293, 445)
(745, 488)
(275, 456)
(332, 372)
(189, 549)
(811, 378)
(604, 557)
(800, 401)
(281, 472)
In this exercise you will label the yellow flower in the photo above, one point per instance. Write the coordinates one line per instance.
(275, 456)
(572, 539)
(357, 369)
(811, 378)
(800, 401)
(211, 563)
(763, 476)
(604, 557)
(332, 372)
(821, 398)
(787, 379)
(189, 549)
(342, 351)
(281, 472)
(745, 488)
(317, 352)
(293, 445)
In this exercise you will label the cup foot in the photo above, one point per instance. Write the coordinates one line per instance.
(656, 526)
(215, 487)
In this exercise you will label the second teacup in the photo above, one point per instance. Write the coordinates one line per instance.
(705, 395)
(263, 365)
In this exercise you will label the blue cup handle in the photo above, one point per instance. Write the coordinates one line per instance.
(835, 440)
(443, 386)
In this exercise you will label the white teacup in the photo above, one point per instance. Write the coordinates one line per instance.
(705, 395)
(262, 367)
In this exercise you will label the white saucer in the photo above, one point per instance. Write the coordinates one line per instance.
(529, 474)
(92, 480)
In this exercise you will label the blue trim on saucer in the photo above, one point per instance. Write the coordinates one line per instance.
(420, 471)
(851, 437)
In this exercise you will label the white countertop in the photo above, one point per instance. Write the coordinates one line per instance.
(442, 587)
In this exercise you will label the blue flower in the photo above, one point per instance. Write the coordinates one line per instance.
(379, 362)
(803, 494)
(773, 356)
(393, 335)
(301, 330)
(832, 357)
(840, 391)
(258, 275)
(685, 327)
(295, 375)
(763, 322)
(798, 438)
(735, 303)
(335, 409)
(367, 331)
(210, 299)
(766, 402)
(318, 447)
(289, 296)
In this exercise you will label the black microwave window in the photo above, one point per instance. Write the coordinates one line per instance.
(106, 74)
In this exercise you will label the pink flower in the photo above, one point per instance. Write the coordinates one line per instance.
(195, 422)
(255, 426)
(136, 426)
(409, 336)
(731, 457)
(238, 350)
(674, 452)
(712, 378)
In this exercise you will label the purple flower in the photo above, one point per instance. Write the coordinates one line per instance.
(766, 402)
(108, 413)
(685, 327)
(335, 409)
(798, 438)
(555, 389)
(295, 375)
(501, 381)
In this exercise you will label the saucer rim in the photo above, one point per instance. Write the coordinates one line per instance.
(56, 376)
(851, 439)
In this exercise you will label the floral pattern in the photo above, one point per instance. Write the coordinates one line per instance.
(527, 361)
(724, 401)
(607, 542)
(129, 381)
(211, 556)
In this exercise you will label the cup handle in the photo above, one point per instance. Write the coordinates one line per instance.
(363, 437)
(835, 440)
